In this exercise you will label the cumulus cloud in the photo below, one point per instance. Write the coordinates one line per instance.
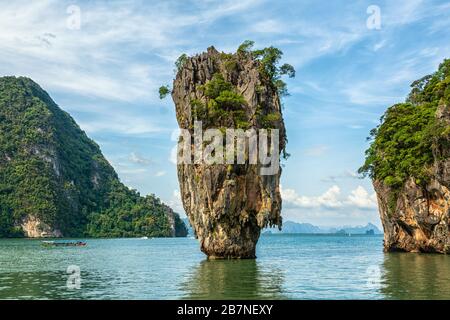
(331, 199)
(361, 199)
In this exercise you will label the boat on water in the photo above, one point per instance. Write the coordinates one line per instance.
(64, 244)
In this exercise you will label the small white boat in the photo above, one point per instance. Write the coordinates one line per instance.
(144, 238)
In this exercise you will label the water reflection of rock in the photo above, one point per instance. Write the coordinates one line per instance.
(234, 279)
(416, 276)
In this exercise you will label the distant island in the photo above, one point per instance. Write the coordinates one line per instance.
(55, 182)
(307, 228)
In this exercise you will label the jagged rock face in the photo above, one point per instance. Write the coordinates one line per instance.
(419, 220)
(34, 228)
(228, 205)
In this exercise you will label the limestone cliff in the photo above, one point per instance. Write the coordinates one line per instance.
(228, 204)
(410, 166)
(54, 180)
(420, 218)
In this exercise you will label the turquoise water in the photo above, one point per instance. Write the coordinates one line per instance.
(288, 267)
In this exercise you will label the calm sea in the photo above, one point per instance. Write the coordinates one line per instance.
(288, 267)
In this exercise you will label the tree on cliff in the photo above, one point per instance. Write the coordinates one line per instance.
(269, 59)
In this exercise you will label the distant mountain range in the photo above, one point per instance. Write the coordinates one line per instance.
(307, 228)
(295, 227)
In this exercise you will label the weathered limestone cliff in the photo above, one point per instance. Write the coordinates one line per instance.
(55, 181)
(34, 228)
(419, 218)
(228, 204)
(409, 163)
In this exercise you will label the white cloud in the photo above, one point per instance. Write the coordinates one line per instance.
(355, 126)
(130, 171)
(347, 174)
(125, 125)
(160, 173)
(175, 202)
(369, 92)
(379, 45)
(331, 199)
(361, 199)
(173, 156)
(98, 60)
(136, 158)
(268, 26)
(328, 199)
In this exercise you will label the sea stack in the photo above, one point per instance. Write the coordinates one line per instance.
(409, 162)
(228, 203)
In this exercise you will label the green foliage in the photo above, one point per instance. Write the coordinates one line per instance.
(246, 47)
(51, 170)
(179, 63)
(270, 120)
(7, 227)
(213, 88)
(224, 105)
(269, 58)
(287, 69)
(433, 87)
(128, 216)
(231, 65)
(230, 61)
(281, 87)
(402, 145)
(163, 92)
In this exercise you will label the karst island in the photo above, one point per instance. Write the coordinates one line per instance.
(409, 163)
(228, 202)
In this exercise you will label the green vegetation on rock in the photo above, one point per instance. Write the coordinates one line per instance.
(179, 63)
(163, 91)
(223, 107)
(402, 145)
(269, 59)
(50, 170)
(220, 104)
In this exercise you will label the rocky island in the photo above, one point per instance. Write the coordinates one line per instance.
(229, 203)
(55, 182)
(409, 163)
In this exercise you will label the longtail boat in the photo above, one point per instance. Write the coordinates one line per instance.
(64, 244)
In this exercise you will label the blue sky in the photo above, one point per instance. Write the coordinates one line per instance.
(106, 75)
